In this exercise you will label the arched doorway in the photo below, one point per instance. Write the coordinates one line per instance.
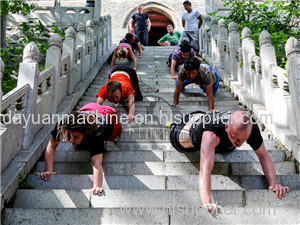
(159, 24)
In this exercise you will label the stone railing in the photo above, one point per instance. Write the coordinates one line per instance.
(58, 14)
(68, 63)
(266, 89)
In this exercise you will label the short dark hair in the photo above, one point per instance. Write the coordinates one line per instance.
(192, 64)
(112, 86)
(128, 36)
(185, 46)
(187, 3)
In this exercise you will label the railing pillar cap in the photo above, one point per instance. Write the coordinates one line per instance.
(105, 18)
(292, 46)
(265, 38)
(96, 22)
(222, 23)
(101, 19)
(207, 18)
(55, 40)
(1, 68)
(70, 32)
(214, 21)
(109, 16)
(232, 26)
(81, 27)
(89, 24)
(31, 52)
(246, 33)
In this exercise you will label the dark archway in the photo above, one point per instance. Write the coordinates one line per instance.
(159, 24)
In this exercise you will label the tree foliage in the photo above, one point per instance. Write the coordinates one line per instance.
(280, 18)
(15, 6)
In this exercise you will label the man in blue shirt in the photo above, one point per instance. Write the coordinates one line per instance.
(142, 25)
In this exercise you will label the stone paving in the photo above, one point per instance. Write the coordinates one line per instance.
(146, 181)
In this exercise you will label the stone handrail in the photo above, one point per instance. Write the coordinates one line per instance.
(262, 86)
(38, 92)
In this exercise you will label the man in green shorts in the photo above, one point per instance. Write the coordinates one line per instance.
(172, 38)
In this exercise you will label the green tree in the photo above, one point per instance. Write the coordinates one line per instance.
(279, 18)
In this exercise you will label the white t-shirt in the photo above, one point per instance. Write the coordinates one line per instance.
(191, 20)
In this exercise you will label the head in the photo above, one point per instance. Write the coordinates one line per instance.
(75, 126)
(185, 49)
(130, 37)
(114, 91)
(238, 128)
(170, 29)
(191, 67)
(140, 9)
(122, 53)
(187, 5)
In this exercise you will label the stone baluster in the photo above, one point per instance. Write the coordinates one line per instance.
(248, 50)
(90, 39)
(222, 36)
(213, 39)
(104, 35)
(1, 77)
(107, 32)
(268, 57)
(110, 30)
(53, 58)
(29, 74)
(69, 46)
(81, 40)
(98, 36)
(234, 45)
(292, 49)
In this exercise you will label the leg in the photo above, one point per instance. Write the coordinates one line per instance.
(169, 59)
(145, 37)
(185, 83)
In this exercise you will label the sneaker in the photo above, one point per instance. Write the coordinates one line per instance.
(143, 48)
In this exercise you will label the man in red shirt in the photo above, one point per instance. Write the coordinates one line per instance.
(122, 84)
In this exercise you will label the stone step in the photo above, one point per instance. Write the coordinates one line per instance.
(160, 156)
(151, 182)
(166, 145)
(56, 198)
(168, 168)
(148, 215)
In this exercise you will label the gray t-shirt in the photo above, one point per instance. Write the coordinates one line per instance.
(191, 20)
(203, 78)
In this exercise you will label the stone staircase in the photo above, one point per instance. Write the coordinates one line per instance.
(146, 181)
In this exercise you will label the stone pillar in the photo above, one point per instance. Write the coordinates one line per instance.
(292, 49)
(110, 30)
(106, 25)
(248, 49)
(1, 77)
(268, 57)
(97, 34)
(90, 41)
(97, 9)
(207, 28)
(222, 36)
(53, 58)
(81, 40)
(213, 39)
(234, 44)
(29, 74)
(208, 6)
(104, 36)
(69, 47)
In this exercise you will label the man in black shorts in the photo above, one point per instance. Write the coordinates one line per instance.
(219, 132)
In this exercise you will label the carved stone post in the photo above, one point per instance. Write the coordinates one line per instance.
(222, 36)
(104, 35)
(234, 44)
(29, 74)
(213, 39)
(81, 40)
(97, 34)
(90, 42)
(106, 25)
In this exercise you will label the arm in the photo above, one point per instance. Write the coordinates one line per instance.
(269, 171)
(210, 97)
(160, 43)
(148, 24)
(97, 173)
(173, 66)
(207, 156)
(140, 49)
(132, 57)
(200, 21)
(131, 26)
(113, 60)
(49, 158)
(131, 108)
(99, 101)
(183, 23)
(177, 93)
